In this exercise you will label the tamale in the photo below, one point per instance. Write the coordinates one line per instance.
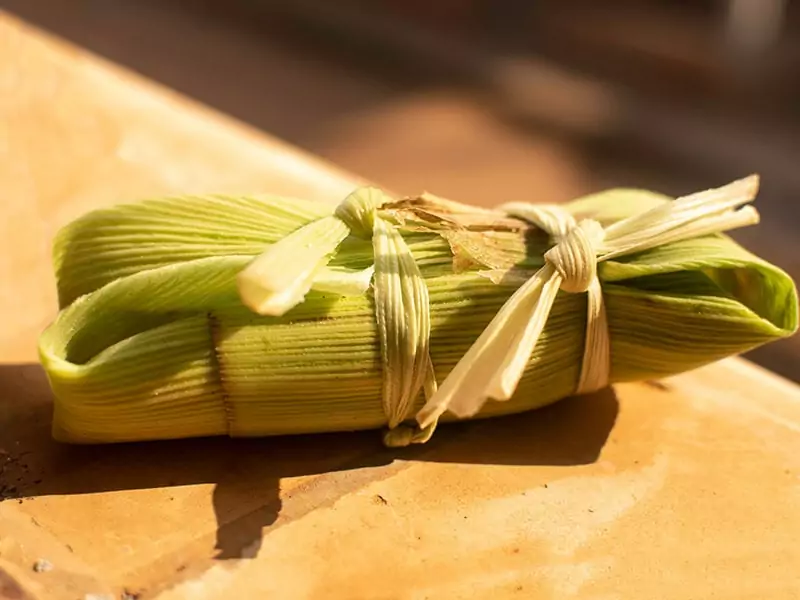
(157, 336)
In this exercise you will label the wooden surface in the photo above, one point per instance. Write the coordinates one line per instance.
(683, 489)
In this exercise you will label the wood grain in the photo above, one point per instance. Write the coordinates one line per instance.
(686, 488)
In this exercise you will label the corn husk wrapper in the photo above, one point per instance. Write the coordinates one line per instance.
(153, 340)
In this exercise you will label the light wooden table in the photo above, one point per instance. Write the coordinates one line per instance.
(689, 488)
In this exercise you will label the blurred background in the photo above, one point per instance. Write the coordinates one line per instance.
(487, 101)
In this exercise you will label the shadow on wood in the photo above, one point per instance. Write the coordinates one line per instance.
(247, 473)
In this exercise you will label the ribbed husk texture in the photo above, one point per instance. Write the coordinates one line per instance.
(152, 340)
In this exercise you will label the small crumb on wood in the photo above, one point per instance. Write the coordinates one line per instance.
(42, 566)
(128, 595)
(380, 500)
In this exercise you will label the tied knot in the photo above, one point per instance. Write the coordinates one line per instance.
(575, 254)
(358, 211)
(496, 362)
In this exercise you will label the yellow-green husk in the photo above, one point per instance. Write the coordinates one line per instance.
(152, 340)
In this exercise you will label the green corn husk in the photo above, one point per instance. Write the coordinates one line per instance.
(153, 341)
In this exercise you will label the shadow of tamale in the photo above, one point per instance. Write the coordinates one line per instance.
(247, 473)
